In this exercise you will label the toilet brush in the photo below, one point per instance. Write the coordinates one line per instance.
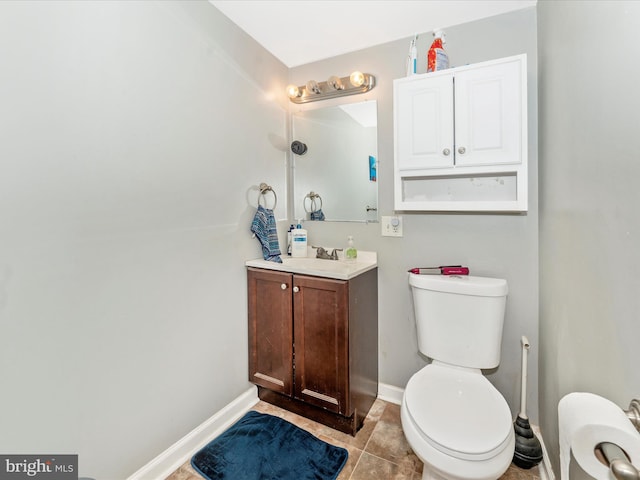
(528, 451)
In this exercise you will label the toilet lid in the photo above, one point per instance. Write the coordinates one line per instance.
(458, 411)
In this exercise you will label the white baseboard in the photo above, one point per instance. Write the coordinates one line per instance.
(546, 471)
(390, 393)
(177, 454)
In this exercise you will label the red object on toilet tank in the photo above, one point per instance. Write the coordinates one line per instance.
(442, 270)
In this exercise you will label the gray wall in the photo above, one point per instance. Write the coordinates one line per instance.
(125, 201)
(590, 226)
(132, 138)
(504, 246)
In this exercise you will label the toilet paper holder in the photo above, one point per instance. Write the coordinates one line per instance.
(633, 413)
(621, 467)
(619, 463)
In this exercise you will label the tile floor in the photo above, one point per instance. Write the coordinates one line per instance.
(378, 452)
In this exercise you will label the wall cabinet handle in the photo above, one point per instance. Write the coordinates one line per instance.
(462, 150)
(446, 152)
(296, 289)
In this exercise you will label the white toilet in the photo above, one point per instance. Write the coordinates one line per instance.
(455, 420)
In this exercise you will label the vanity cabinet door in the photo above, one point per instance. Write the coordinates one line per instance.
(270, 330)
(321, 343)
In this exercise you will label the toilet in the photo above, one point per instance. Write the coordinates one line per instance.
(454, 419)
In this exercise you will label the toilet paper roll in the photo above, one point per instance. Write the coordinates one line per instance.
(586, 420)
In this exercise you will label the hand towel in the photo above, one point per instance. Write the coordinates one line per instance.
(317, 215)
(264, 227)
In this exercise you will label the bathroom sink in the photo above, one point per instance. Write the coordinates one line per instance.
(338, 269)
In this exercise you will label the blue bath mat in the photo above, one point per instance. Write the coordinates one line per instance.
(264, 447)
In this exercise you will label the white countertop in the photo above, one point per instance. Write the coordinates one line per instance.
(339, 269)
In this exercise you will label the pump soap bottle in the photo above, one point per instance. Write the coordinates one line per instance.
(299, 241)
(350, 254)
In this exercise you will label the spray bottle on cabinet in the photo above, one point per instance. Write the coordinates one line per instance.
(437, 58)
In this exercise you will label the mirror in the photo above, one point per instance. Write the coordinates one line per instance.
(335, 179)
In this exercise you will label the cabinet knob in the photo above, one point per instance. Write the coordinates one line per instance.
(446, 152)
(296, 289)
(461, 150)
(283, 286)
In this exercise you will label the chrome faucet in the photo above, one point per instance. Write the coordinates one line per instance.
(322, 252)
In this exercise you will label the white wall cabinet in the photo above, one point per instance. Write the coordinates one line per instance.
(461, 138)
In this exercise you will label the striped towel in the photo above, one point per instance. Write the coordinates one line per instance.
(264, 227)
(317, 215)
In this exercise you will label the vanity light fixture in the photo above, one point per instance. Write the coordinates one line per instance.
(312, 87)
(357, 79)
(335, 83)
(293, 91)
(357, 82)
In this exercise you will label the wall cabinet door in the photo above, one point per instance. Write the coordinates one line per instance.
(488, 113)
(270, 330)
(321, 343)
(424, 123)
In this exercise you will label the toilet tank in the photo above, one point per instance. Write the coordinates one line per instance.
(459, 319)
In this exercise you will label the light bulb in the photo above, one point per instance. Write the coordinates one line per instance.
(293, 91)
(357, 79)
(312, 87)
(335, 83)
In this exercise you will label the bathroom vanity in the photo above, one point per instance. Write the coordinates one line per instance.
(313, 337)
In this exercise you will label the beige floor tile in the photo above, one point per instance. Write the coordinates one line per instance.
(185, 472)
(388, 441)
(371, 467)
(376, 410)
(516, 473)
(359, 441)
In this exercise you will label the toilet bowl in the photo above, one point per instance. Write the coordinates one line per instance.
(454, 419)
(457, 423)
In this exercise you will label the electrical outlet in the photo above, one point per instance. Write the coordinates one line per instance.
(391, 226)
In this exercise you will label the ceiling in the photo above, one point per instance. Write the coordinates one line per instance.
(303, 31)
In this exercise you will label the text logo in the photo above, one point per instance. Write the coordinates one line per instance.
(39, 467)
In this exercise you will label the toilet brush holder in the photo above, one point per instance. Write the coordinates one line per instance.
(528, 451)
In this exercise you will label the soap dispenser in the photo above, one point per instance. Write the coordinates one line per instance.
(350, 254)
(299, 241)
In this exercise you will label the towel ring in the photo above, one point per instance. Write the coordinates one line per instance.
(312, 196)
(264, 188)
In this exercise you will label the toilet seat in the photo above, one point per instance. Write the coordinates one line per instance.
(458, 412)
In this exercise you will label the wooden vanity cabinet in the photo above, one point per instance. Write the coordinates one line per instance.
(313, 344)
